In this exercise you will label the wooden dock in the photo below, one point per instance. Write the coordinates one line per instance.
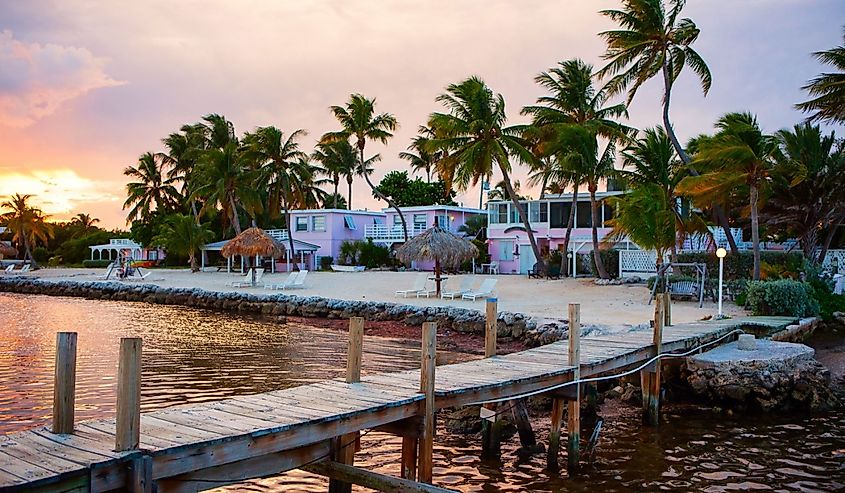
(314, 427)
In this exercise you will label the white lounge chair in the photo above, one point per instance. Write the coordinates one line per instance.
(9, 269)
(483, 291)
(286, 283)
(419, 285)
(465, 287)
(25, 268)
(431, 290)
(247, 280)
(298, 281)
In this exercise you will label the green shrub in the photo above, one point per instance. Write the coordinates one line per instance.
(54, 261)
(781, 297)
(828, 302)
(41, 254)
(740, 265)
(364, 253)
(95, 264)
(609, 257)
(326, 263)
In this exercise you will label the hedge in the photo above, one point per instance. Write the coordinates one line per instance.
(741, 265)
(609, 257)
(782, 297)
(96, 263)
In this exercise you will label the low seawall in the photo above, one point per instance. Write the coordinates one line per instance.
(515, 325)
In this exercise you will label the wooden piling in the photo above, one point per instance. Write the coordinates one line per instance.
(552, 453)
(650, 376)
(128, 425)
(429, 361)
(573, 424)
(667, 309)
(409, 457)
(344, 446)
(64, 386)
(491, 428)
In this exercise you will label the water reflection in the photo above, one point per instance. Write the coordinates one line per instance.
(195, 355)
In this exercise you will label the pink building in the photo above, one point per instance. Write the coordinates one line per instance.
(507, 240)
(419, 219)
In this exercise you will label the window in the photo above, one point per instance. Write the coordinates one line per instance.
(533, 212)
(443, 220)
(397, 221)
(608, 213)
(420, 222)
(318, 223)
(503, 213)
(544, 212)
(349, 222)
(302, 223)
(506, 250)
(492, 214)
(583, 215)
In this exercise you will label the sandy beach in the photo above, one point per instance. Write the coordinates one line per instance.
(613, 306)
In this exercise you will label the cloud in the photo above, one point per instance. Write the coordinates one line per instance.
(38, 78)
(59, 192)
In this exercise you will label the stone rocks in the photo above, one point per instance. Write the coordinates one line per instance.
(775, 376)
(609, 282)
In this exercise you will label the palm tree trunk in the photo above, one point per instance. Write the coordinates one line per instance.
(667, 124)
(831, 234)
(28, 252)
(193, 261)
(292, 251)
(594, 211)
(195, 211)
(569, 225)
(543, 186)
(336, 183)
(234, 213)
(523, 216)
(755, 231)
(384, 197)
(349, 184)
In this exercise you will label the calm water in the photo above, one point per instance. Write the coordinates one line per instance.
(194, 356)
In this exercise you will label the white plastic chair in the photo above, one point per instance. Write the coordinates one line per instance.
(465, 287)
(483, 291)
(419, 285)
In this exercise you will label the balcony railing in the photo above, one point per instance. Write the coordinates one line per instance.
(277, 234)
(381, 232)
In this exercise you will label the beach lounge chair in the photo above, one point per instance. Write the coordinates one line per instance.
(465, 287)
(419, 285)
(286, 283)
(9, 269)
(246, 282)
(483, 291)
(431, 290)
(298, 281)
(25, 268)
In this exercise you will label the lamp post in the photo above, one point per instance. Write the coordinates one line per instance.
(721, 253)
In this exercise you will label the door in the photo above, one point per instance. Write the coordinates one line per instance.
(526, 258)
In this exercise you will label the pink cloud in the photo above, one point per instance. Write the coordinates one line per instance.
(38, 78)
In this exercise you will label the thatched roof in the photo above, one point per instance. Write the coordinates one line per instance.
(7, 250)
(252, 242)
(437, 244)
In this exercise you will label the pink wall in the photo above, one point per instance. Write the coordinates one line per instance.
(336, 231)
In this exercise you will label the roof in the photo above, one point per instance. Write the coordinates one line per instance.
(436, 207)
(117, 246)
(298, 246)
(582, 196)
(338, 211)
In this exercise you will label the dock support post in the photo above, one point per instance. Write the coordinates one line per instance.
(141, 475)
(128, 425)
(650, 377)
(491, 428)
(558, 405)
(429, 361)
(344, 445)
(667, 308)
(573, 425)
(64, 386)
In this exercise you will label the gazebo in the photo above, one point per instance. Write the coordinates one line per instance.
(440, 245)
(112, 249)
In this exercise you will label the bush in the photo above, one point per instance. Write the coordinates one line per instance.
(326, 263)
(41, 255)
(828, 302)
(95, 264)
(609, 257)
(741, 265)
(781, 297)
(364, 253)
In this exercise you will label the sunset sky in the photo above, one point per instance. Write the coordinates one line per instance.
(87, 86)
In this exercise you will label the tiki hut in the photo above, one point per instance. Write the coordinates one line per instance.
(444, 247)
(7, 250)
(253, 242)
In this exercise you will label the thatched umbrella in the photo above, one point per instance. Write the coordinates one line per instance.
(437, 244)
(253, 242)
(7, 250)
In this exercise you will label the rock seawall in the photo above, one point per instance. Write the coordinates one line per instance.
(466, 320)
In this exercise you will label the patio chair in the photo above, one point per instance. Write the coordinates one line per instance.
(25, 268)
(284, 284)
(535, 272)
(494, 267)
(483, 291)
(247, 280)
(431, 290)
(465, 287)
(9, 269)
(419, 285)
(298, 281)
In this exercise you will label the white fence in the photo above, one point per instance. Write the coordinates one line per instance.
(391, 234)
(642, 262)
(835, 261)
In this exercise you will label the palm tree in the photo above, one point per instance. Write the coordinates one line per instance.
(152, 190)
(808, 202)
(578, 147)
(420, 159)
(183, 151)
(475, 135)
(572, 99)
(738, 155)
(338, 159)
(28, 224)
(500, 191)
(644, 216)
(83, 222)
(223, 180)
(218, 131)
(334, 201)
(651, 41)
(358, 119)
(181, 235)
(828, 89)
